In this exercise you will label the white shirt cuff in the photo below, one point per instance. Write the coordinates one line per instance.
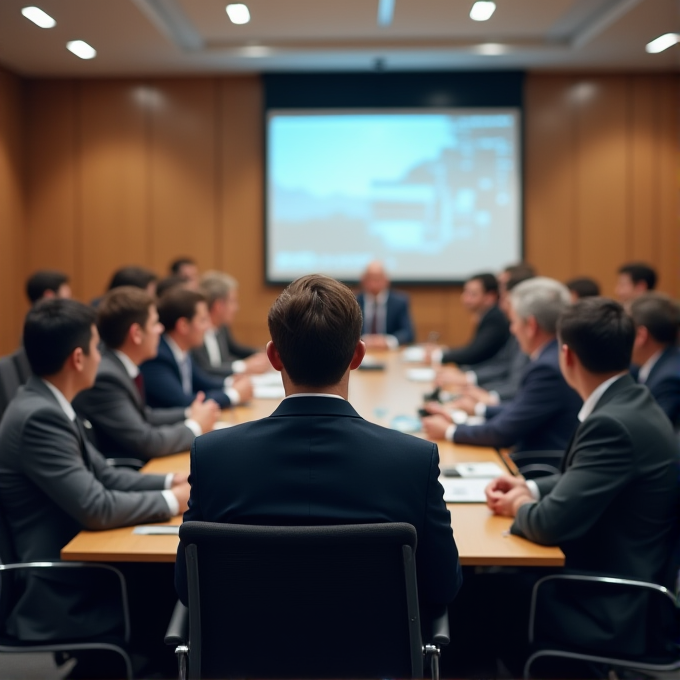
(234, 396)
(450, 431)
(238, 366)
(392, 342)
(437, 356)
(533, 489)
(168, 480)
(194, 427)
(173, 504)
(480, 409)
(471, 377)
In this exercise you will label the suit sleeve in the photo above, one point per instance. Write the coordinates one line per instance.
(163, 387)
(52, 459)
(200, 357)
(488, 341)
(537, 402)
(667, 396)
(165, 416)
(600, 467)
(212, 386)
(238, 350)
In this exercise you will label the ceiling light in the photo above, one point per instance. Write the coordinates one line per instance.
(662, 43)
(38, 17)
(238, 13)
(81, 49)
(482, 10)
(491, 49)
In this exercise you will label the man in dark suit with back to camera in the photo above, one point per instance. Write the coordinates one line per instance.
(614, 507)
(172, 379)
(115, 405)
(315, 461)
(387, 317)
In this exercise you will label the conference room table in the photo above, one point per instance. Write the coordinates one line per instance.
(379, 395)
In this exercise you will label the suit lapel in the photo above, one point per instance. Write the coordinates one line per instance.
(126, 380)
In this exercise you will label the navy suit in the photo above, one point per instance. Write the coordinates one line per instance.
(542, 416)
(663, 382)
(163, 382)
(397, 317)
(315, 461)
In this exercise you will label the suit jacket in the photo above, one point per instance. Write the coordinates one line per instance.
(542, 416)
(163, 381)
(663, 382)
(613, 510)
(54, 484)
(122, 423)
(397, 317)
(230, 351)
(491, 334)
(503, 373)
(315, 461)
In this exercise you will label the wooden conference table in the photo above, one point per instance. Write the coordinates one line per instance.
(378, 396)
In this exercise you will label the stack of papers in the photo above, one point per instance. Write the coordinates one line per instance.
(420, 374)
(413, 355)
(268, 386)
(469, 482)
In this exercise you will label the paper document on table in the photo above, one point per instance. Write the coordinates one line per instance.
(267, 379)
(269, 392)
(464, 490)
(221, 425)
(486, 470)
(150, 530)
(420, 374)
(413, 355)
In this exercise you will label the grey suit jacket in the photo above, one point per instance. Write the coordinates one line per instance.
(613, 510)
(53, 485)
(503, 373)
(122, 424)
(230, 351)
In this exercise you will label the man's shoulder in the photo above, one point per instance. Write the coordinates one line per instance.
(31, 404)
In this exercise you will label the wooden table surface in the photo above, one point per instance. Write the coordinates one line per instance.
(378, 396)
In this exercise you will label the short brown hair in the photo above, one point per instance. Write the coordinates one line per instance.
(216, 286)
(315, 325)
(176, 304)
(118, 310)
(659, 314)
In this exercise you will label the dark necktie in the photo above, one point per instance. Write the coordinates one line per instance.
(374, 320)
(139, 384)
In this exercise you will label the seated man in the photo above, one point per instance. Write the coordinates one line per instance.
(47, 284)
(172, 379)
(542, 415)
(187, 269)
(480, 296)
(115, 405)
(614, 508)
(220, 355)
(655, 351)
(53, 483)
(387, 318)
(582, 287)
(634, 279)
(315, 460)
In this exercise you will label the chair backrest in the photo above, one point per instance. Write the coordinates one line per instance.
(21, 362)
(8, 581)
(323, 601)
(10, 381)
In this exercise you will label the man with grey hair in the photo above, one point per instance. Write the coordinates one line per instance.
(542, 415)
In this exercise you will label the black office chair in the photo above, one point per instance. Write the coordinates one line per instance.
(321, 601)
(533, 464)
(21, 362)
(11, 588)
(10, 381)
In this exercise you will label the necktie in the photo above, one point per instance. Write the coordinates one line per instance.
(374, 320)
(185, 373)
(139, 384)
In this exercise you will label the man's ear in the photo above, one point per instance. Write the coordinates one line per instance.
(273, 356)
(182, 325)
(358, 357)
(568, 356)
(76, 358)
(135, 334)
(533, 325)
(641, 336)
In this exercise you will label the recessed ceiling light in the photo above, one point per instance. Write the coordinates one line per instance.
(238, 13)
(81, 49)
(663, 42)
(38, 17)
(491, 49)
(482, 10)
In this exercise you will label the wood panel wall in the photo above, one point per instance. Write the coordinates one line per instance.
(140, 171)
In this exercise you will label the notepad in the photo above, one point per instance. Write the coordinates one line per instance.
(420, 374)
(485, 470)
(271, 379)
(464, 489)
(151, 530)
(269, 392)
(414, 355)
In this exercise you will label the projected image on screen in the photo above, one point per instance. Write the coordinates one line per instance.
(433, 195)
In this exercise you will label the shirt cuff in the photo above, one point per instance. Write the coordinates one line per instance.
(437, 356)
(234, 396)
(392, 342)
(194, 427)
(173, 504)
(480, 409)
(168, 480)
(450, 431)
(238, 366)
(533, 489)
(187, 412)
(471, 377)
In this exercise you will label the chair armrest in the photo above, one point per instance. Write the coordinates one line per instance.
(440, 628)
(537, 469)
(178, 628)
(540, 455)
(133, 463)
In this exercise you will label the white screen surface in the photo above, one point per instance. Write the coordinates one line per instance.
(435, 196)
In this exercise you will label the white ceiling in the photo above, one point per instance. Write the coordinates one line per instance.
(149, 37)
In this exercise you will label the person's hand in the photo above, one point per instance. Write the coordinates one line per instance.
(375, 341)
(435, 427)
(244, 386)
(465, 403)
(181, 492)
(479, 395)
(257, 363)
(507, 504)
(502, 492)
(204, 411)
(179, 478)
(450, 377)
(435, 408)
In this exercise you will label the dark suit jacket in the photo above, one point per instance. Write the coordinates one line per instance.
(541, 417)
(503, 373)
(613, 510)
(230, 351)
(315, 461)
(53, 485)
(163, 382)
(663, 382)
(491, 334)
(397, 317)
(122, 423)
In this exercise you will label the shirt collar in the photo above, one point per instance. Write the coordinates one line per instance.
(591, 402)
(647, 367)
(314, 394)
(380, 298)
(538, 351)
(179, 355)
(61, 400)
(129, 365)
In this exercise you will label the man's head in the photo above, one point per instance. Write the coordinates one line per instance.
(480, 293)
(187, 269)
(184, 313)
(535, 306)
(657, 320)
(315, 326)
(374, 279)
(221, 292)
(634, 279)
(60, 338)
(582, 287)
(47, 284)
(128, 321)
(597, 339)
(511, 282)
(139, 277)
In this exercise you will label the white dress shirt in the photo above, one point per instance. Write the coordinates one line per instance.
(647, 367)
(377, 305)
(215, 355)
